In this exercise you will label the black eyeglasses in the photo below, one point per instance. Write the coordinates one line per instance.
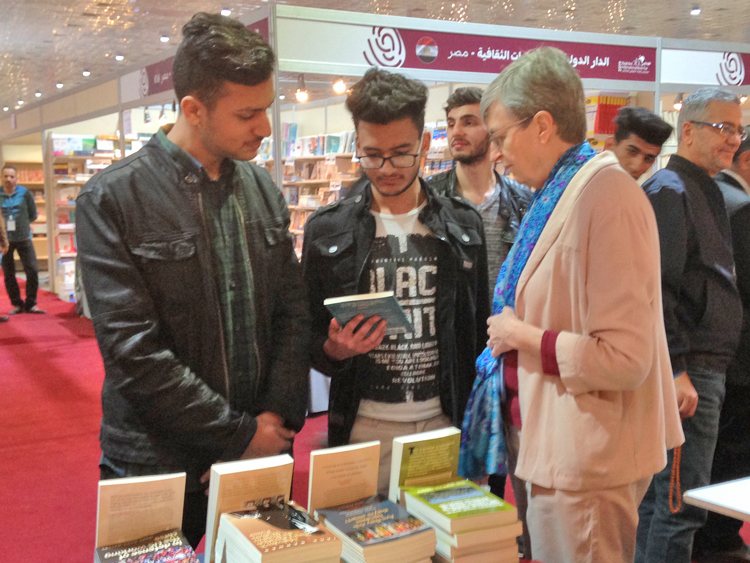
(726, 129)
(397, 161)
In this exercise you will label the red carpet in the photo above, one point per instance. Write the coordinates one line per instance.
(51, 374)
(49, 412)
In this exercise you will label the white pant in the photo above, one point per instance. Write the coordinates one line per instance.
(370, 429)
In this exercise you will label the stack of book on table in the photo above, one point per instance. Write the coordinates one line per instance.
(276, 531)
(251, 519)
(471, 525)
(138, 520)
(373, 529)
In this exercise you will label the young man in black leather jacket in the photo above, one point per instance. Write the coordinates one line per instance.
(394, 233)
(190, 273)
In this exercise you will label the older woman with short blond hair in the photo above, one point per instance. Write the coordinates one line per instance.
(577, 335)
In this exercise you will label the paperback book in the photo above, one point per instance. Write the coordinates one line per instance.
(274, 530)
(428, 458)
(237, 485)
(460, 506)
(133, 508)
(377, 530)
(165, 547)
(383, 304)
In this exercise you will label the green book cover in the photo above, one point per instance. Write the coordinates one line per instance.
(460, 499)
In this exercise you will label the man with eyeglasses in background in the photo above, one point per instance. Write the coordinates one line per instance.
(393, 233)
(702, 311)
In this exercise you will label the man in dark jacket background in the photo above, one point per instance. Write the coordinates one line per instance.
(702, 309)
(192, 281)
(719, 539)
(500, 200)
(393, 233)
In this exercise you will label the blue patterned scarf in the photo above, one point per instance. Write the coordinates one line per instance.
(482, 441)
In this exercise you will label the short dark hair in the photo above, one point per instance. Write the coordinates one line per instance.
(217, 49)
(11, 167)
(463, 97)
(643, 123)
(382, 97)
(744, 146)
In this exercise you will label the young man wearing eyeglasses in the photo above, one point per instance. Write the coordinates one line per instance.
(702, 309)
(393, 233)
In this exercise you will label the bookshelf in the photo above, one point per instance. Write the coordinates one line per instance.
(71, 162)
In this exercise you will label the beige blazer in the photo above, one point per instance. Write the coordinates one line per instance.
(595, 276)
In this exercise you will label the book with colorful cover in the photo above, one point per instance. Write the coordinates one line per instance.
(460, 506)
(372, 520)
(165, 547)
(273, 529)
(420, 460)
(383, 304)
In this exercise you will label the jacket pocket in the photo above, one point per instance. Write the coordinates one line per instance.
(337, 262)
(172, 271)
(468, 242)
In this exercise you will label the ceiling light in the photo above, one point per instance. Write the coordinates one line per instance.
(164, 39)
(282, 97)
(226, 12)
(38, 94)
(5, 108)
(87, 73)
(59, 85)
(339, 86)
(20, 102)
(301, 95)
(695, 11)
(678, 102)
(119, 57)
(743, 98)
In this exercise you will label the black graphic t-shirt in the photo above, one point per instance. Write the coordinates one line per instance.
(402, 383)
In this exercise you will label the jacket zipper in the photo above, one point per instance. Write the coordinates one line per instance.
(255, 300)
(218, 305)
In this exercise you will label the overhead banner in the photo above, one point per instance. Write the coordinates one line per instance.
(396, 48)
(705, 68)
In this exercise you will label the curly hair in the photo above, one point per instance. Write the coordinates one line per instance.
(217, 49)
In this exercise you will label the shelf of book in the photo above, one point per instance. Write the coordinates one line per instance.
(70, 162)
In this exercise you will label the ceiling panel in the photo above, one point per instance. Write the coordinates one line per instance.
(43, 42)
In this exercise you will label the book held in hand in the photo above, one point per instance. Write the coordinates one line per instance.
(383, 304)
(165, 547)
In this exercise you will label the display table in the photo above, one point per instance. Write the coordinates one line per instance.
(731, 498)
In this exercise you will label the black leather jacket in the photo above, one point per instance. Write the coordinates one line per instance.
(515, 198)
(337, 245)
(147, 270)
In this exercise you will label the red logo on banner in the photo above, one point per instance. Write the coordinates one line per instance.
(385, 48)
(732, 70)
(427, 50)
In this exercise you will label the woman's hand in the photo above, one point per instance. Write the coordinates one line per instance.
(501, 331)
